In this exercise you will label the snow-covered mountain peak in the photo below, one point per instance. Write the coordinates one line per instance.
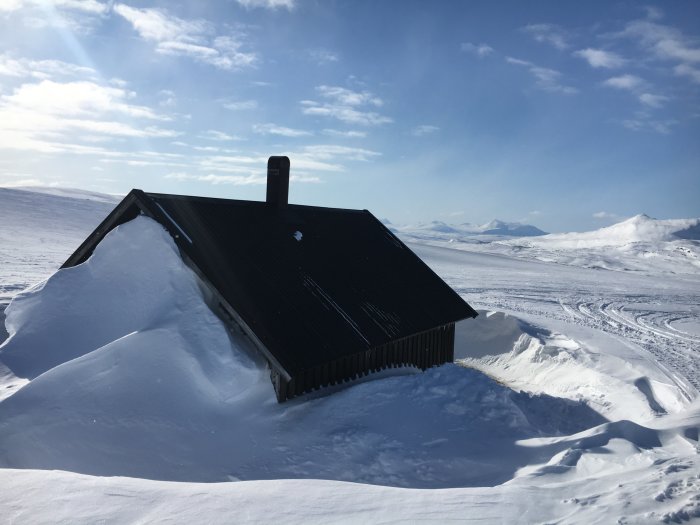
(515, 229)
(640, 228)
(495, 227)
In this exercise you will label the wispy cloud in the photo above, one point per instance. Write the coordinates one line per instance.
(628, 82)
(192, 38)
(323, 56)
(605, 215)
(236, 180)
(686, 70)
(424, 129)
(219, 136)
(77, 16)
(550, 34)
(274, 129)
(645, 123)
(346, 105)
(167, 98)
(48, 115)
(42, 69)
(653, 101)
(480, 50)
(87, 6)
(241, 105)
(351, 134)
(598, 58)
(662, 41)
(268, 4)
(331, 152)
(545, 78)
(309, 164)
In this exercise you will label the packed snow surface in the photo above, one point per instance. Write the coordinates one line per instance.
(573, 398)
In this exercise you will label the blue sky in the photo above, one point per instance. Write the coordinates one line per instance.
(567, 115)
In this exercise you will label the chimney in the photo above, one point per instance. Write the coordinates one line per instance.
(277, 181)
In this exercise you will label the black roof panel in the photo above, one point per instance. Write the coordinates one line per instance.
(314, 284)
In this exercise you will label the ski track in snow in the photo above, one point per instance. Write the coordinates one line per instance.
(645, 311)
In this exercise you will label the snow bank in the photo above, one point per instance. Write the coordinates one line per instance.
(536, 360)
(124, 371)
(131, 374)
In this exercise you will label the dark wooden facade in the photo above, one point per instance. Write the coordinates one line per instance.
(325, 294)
(424, 350)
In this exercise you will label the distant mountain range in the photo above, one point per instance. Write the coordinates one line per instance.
(494, 227)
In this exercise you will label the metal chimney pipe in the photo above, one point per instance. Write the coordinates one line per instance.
(277, 181)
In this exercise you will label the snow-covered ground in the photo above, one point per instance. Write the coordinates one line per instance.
(574, 398)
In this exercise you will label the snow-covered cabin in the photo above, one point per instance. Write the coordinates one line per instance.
(325, 294)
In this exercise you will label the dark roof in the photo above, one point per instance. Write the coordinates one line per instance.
(313, 284)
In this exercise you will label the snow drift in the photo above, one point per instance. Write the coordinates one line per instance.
(130, 373)
(124, 371)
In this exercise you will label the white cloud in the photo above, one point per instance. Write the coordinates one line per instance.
(273, 129)
(662, 41)
(351, 134)
(545, 78)
(192, 38)
(25, 68)
(167, 98)
(323, 56)
(663, 127)
(600, 58)
(237, 180)
(688, 71)
(220, 136)
(308, 163)
(331, 152)
(629, 82)
(241, 105)
(77, 16)
(605, 215)
(79, 98)
(349, 97)
(424, 129)
(87, 6)
(344, 104)
(653, 101)
(268, 4)
(549, 34)
(480, 50)
(48, 115)
(653, 13)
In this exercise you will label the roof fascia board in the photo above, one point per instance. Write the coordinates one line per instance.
(107, 225)
(152, 210)
(399, 242)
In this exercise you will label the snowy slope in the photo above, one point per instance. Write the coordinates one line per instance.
(574, 399)
(40, 228)
(639, 244)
